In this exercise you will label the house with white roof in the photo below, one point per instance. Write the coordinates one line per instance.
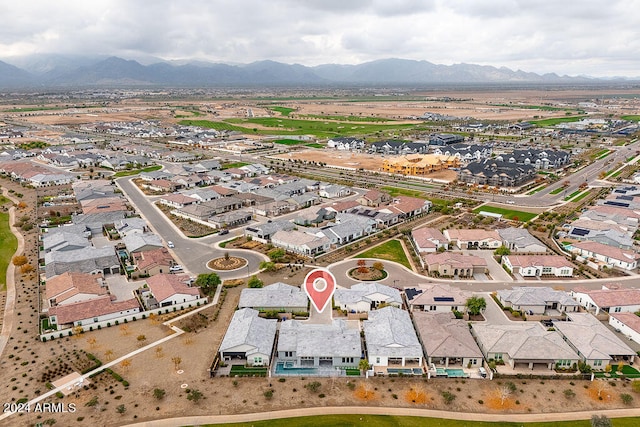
(610, 299)
(453, 264)
(366, 296)
(249, 338)
(538, 265)
(85, 260)
(391, 339)
(627, 323)
(610, 256)
(537, 300)
(596, 344)
(333, 345)
(519, 240)
(523, 344)
(332, 191)
(473, 238)
(446, 340)
(602, 232)
(275, 297)
(300, 243)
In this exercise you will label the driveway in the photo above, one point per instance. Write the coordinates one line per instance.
(493, 314)
(496, 271)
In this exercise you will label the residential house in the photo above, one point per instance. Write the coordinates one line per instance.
(171, 289)
(85, 260)
(519, 240)
(231, 219)
(446, 340)
(601, 232)
(408, 207)
(538, 265)
(141, 242)
(523, 344)
(278, 297)
(496, 173)
(626, 218)
(328, 346)
(540, 159)
(333, 191)
(451, 264)
(263, 232)
(72, 287)
(87, 312)
(346, 229)
(596, 344)
(473, 239)
(177, 200)
(367, 296)
(427, 239)
(65, 241)
(105, 204)
(610, 256)
(249, 338)
(374, 198)
(391, 339)
(537, 300)
(437, 297)
(300, 243)
(627, 323)
(202, 194)
(610, 299)
(152, 262)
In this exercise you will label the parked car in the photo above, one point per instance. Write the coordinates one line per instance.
(170, 244)
(176, 267)
(482, 372)
(223, 231)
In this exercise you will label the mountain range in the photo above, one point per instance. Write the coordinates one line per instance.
(60, 71)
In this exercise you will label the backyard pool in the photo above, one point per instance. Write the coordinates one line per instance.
(287, 368)
(455, 373)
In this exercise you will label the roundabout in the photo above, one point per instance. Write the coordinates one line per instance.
(227, 263)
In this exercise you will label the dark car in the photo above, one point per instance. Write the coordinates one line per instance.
(223, 231)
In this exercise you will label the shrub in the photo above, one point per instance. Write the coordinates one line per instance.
(268, 394)
(448, 397)
(627, 399)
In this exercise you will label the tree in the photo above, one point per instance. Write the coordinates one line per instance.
(268, 266)
(19, 260)
(26, 269)
(121, 409)
(627, 399)
(448, 397)
(475, 305)
(363, 365)
(276, 254)
(313, 387)
(159, 393)
(194, 395)
(378, 266)
(177, 360)
(502, 250)
(208, 282)
(254, 282)
(361, 263)
(109, 354)
(125, 364)
(141, 339)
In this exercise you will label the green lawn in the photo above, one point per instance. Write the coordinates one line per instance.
(289, 141)
(234, 165)
(8, 246)
(572, 195)
(508, 213)
(398, 421)
(557, 190)
(555, 121)
(533, 107)
(285, 111)
(137, 171)
(535, 190)
(243, 371)
(582, 196)
(314, 145)
(395, 191)
(631, 118)
(390, 251)
(349, 118)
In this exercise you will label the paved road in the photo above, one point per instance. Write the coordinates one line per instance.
(193, 254)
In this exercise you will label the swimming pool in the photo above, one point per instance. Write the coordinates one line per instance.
(455, 373)
(287, 368)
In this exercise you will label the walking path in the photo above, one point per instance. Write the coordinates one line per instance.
(362, 410)
(7, 322)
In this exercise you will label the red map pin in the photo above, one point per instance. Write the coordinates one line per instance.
(320, 286)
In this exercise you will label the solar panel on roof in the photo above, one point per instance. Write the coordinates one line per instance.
(443, 299)
(579, 232)
(412, 293)
(629, 198)
(614, 203)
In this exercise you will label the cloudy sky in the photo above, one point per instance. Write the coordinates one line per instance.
(584, 37)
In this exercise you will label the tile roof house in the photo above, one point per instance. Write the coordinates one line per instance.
(249, 338)
(496, 173)
(329, 346)
(626, 218)
(473, 238)
(537, 300)
(451, 264)
(610, 256)
(596, 344)
(177, 200)
(141, 242)
(171, 289)
(610, 299)
(627, 323)
(366, 296)
(596, 231)
(105, 204)
(523, 344)
(150, 263)
(65, 241)
(519, 240)
(437, 297)
(429, 239)
(408, 207)
(95, 310)
(446, 340)
(391, 339)
(538, 265)
(71, 287)
(275, 297)
(374, 198)
(263, 232)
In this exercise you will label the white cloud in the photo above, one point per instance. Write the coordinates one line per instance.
(594, 37)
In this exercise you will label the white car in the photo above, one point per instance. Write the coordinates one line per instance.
(170, 244)
(176, 267)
